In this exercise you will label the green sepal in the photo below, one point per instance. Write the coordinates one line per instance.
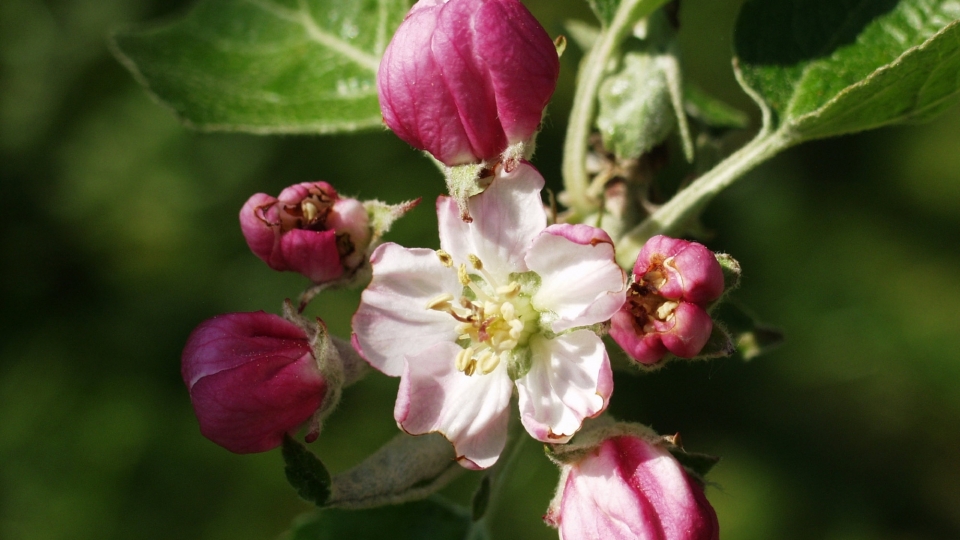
(697, 464)
(751, 336)
(305, 472)
(719, 345)
(465, 181)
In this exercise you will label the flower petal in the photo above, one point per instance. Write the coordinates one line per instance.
(312, 253)
(598, 502)
(580, 281)
(646, 348)
(569, 380)
(507, 216)
(393, 320)
(470, 411)
(406, 74)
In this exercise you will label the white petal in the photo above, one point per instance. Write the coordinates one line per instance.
(569, 380)
(393, 320)
(507, 216)
(581, 283)
(471, 412)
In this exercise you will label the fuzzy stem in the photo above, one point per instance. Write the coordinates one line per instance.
(673, 215)
(592, 70)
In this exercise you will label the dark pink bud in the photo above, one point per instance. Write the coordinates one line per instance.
(630, 489)
(674, 280)
(307, 229)
(252, 378)
(465, 79)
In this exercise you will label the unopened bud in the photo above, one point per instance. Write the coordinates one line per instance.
(628, 488)
(252, 378)
(467, 79)
(307, 229)
(665, 311)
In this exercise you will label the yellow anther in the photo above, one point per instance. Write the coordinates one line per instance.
(463, 275)
(666, 309)
(310, 210)
(509, 291)
(440, 303)
(508, 310)
(471, 368)
(445, 258)
(488, 362)
(463, 358)
(508, 344)
(476, 262)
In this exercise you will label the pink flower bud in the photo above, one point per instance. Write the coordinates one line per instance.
(674, 280)
(630, 489)
(307, 229)
(465, 79)
(252, 378)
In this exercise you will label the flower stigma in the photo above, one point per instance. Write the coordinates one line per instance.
(492, 319)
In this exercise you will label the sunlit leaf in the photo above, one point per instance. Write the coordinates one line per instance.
(267, 66)
(829, 67)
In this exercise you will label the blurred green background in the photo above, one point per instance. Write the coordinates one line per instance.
(119, 235)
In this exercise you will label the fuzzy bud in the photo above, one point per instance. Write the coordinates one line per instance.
(466, 79)
(665, 311)
(307, 229)
(628, 488)
(252, 378)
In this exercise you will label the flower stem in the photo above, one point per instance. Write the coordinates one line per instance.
(592, 70)
(673, 215)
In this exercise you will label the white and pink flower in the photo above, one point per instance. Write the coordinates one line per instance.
(506, 302)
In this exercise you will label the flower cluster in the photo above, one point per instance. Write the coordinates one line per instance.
(511, 308)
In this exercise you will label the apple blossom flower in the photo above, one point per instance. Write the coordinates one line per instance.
(507, 302)
(307, 229)
(465, 79)
(252, 378)
(665, 311)
(629, 488)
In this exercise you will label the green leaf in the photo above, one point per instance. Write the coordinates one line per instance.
(305, 472)
(827, 67)
(711, 111)
(267, 66)
(604, 9)
(405, 469)
(431, 519)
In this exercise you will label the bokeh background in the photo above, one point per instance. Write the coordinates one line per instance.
(119, 235)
